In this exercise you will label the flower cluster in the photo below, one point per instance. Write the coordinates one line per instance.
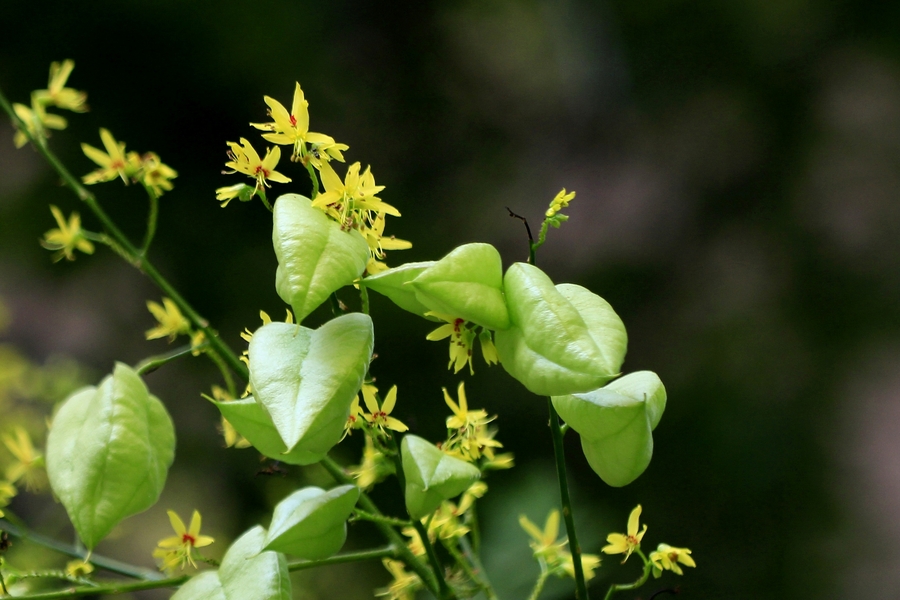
(36, 119)
(664, 558)
(351, 201)
(469, 437)
(551, 552)
(116, 163)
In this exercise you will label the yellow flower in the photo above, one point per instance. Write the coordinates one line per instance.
(462, 340)
(28, 461)
(589, 563)
(560, 202)
(155, 174)
(355, 419)
(374, 467)
(292, 128)
(171, 322)
(79, 568)
(626, 543)
(404, 586)
(244, 159)
(667, 557)
(57, 93)
(462, 417)
(113, 163)
(546, 547)
(232, 438)
(379, 417)
(67, 238)
(37, 122)
(178, 549)
(241, 191)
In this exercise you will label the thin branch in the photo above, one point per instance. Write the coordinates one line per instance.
(387, 531)
(561, 473)
(124, 245)
(109, 564)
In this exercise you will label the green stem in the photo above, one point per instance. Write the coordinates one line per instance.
(108, 564)
(262, 196)
(109, 589)
(443, 588)
(539, 585)
(364, 298)
(124, 245)
(390, 534)
(315, 180)
(385, 552)
(366, 516)
(562, 476)
(123, 588)
(3, 584)
(151, 220)
(152, 363)
(621, 587)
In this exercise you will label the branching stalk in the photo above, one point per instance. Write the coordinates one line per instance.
(391, 535)
(109, 564)
(124, 245)
(622, 587)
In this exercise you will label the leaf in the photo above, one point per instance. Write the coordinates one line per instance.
(615, 424)
(247, 572)
(315, 256)
(108, 453)
(312, 523)
(390, 283)
(251, 420)
(432, 476)
(307, 379)
(563, 339)
(468, 284)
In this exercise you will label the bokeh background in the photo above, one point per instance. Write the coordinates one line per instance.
(738, 203)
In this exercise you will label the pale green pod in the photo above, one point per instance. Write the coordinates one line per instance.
(563, 339)
(250, 419)
(312, 523)
(315, 256)
(247, 572)
(615, 424)
(468, 284)
(390, 283)
(108, 452)
(307, 379)
(432, 476)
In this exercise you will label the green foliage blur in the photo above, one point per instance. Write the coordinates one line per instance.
(738, 204)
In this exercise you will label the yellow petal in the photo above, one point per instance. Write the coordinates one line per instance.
(389, 401)
(177, 523)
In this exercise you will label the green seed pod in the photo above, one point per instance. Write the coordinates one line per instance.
(390, 283)
(307, 379)
(247, 572)
(312, 523)
(564, 339)
(615, 423)
(315, 257)
(432, 476)
(108, 453)
(467, 283)
(250, 419)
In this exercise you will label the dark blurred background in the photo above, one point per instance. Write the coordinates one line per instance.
(736, 166)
